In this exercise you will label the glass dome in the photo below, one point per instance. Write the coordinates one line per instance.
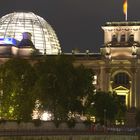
(43, 35)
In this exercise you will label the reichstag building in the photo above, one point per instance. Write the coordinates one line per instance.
(116, 66)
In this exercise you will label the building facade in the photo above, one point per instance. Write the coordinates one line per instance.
(117, 66)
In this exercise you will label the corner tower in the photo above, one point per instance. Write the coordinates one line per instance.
(122, 58)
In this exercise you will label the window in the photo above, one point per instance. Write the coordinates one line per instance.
(131, 38)
(114, 38)
(121, 79)
(123, 38)
(94, 79)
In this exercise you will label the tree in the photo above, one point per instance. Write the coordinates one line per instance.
(121, 109)
(17, 80)
(105, 103)
(104, 106)
(61, 86)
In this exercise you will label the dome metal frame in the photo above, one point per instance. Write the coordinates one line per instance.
(43, 35)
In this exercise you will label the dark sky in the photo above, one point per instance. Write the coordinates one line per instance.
(76, 22)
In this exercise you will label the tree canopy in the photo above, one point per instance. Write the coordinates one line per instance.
(105, 106)
(57, 86)
(62, 87)
(17, 79)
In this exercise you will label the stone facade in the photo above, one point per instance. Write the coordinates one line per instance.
(116, 67)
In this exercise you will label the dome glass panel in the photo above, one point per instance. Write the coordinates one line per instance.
(43, 36)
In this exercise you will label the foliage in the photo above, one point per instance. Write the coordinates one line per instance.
(57, 123)
(121, 109)
(71, 123)
(104, 105)
(17, 79)
(2, 121)
(88, 122)
(61, 86)
(37, 122)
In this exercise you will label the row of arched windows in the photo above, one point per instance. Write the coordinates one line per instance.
(123, 38)
(120, 78)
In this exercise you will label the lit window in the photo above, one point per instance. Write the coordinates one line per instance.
(94, 79)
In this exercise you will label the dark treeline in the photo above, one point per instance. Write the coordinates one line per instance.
(56, 85)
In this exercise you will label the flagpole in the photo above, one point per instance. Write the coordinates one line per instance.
(126, 15)
(126, 10)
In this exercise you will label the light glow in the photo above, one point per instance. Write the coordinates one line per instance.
(46, 116)
(8, 41)
(94, 80)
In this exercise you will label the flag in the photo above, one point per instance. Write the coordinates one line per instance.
(125, 7)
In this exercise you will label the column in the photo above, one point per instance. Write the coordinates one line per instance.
(133, 89)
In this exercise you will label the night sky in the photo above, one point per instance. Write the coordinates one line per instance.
(77, 22)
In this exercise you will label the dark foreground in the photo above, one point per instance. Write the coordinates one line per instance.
(45, 132)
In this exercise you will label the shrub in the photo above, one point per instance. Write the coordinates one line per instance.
(71, 123)
(56, 123)
(2, 121)
(87, 123)
(37, 122)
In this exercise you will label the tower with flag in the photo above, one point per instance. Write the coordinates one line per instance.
(125, 8)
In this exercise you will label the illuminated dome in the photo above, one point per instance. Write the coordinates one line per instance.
(43, 36)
